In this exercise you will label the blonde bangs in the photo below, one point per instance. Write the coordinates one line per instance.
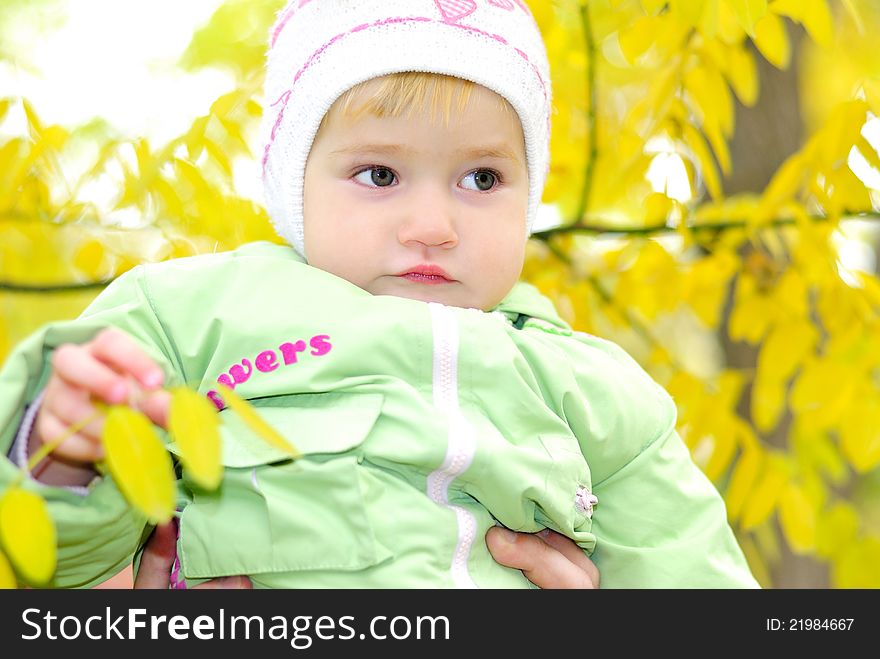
(403, 94)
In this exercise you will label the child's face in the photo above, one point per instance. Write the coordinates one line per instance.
(386, 196)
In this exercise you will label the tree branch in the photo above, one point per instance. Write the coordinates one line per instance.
(612, 231)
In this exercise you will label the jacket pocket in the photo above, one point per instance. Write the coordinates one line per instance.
(272, 514)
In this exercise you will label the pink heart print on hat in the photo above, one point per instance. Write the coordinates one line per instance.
(455, 10)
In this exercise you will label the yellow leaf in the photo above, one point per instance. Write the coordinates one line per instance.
(823, 390)
(5, 104)
(168, 195)
(7, 576)
(860, 431)
(742, 72)
(745, 474)
(812, 14)
(729, 29)
(195, 138)
(34, 124)
(761, 501)
(226, 104)
(256, 422)
(89, 259)
(139, 463)
(771, 39)
(712, 97)
(786, 182)
(638, 37)
(748, 12)
(219, 156)
(653, 6)
(724, 446)
(54, 138)
(842, 130)
(858, 565)
(838, 530)
(752, 312)
(190, 174)
(785, 348)
(709, 23)
(855, 14)
(700, 149)
(869, 153)
(768, 402)
(688, 12)
(657, 207)
(719, 146)
(872, 94)
(797, 515)
(28, 535)
(195, 428)
(846, 192)
(707, 285)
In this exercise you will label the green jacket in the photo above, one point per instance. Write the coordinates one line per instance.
(422, 426)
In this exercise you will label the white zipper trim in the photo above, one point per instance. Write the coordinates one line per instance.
(460, 445)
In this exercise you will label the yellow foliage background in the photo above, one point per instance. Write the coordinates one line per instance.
(792, 441)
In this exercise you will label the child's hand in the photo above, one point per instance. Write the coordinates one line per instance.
(111, 368)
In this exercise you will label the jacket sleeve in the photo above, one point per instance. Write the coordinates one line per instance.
(660, 522)
(97, 533)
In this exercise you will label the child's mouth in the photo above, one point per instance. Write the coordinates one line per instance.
(425, 279)
(426, 273)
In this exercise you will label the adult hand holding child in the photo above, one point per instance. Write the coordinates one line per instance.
(547, 559)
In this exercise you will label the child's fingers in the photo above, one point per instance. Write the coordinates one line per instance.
(78, 368)
(156, 405)
(123, 354)
(76, 447)
(71, 407)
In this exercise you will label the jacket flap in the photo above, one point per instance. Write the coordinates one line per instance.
(313, 423)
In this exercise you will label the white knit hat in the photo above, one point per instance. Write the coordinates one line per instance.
(322, 48)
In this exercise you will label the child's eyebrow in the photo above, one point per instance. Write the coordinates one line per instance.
(499, 152)
(471, 153)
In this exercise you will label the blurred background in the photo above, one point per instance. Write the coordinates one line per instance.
(712, 207)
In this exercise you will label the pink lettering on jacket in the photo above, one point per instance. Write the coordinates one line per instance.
(267, 362)
(320, 345)
(241, 373)
(289, 350)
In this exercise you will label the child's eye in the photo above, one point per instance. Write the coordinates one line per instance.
(483, 180)
(380, 177)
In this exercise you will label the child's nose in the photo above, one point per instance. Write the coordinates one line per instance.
(430, 220)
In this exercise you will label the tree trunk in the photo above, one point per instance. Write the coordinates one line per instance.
(765, 136)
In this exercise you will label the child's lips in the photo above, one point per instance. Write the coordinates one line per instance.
(425, 279)
(426, 274)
